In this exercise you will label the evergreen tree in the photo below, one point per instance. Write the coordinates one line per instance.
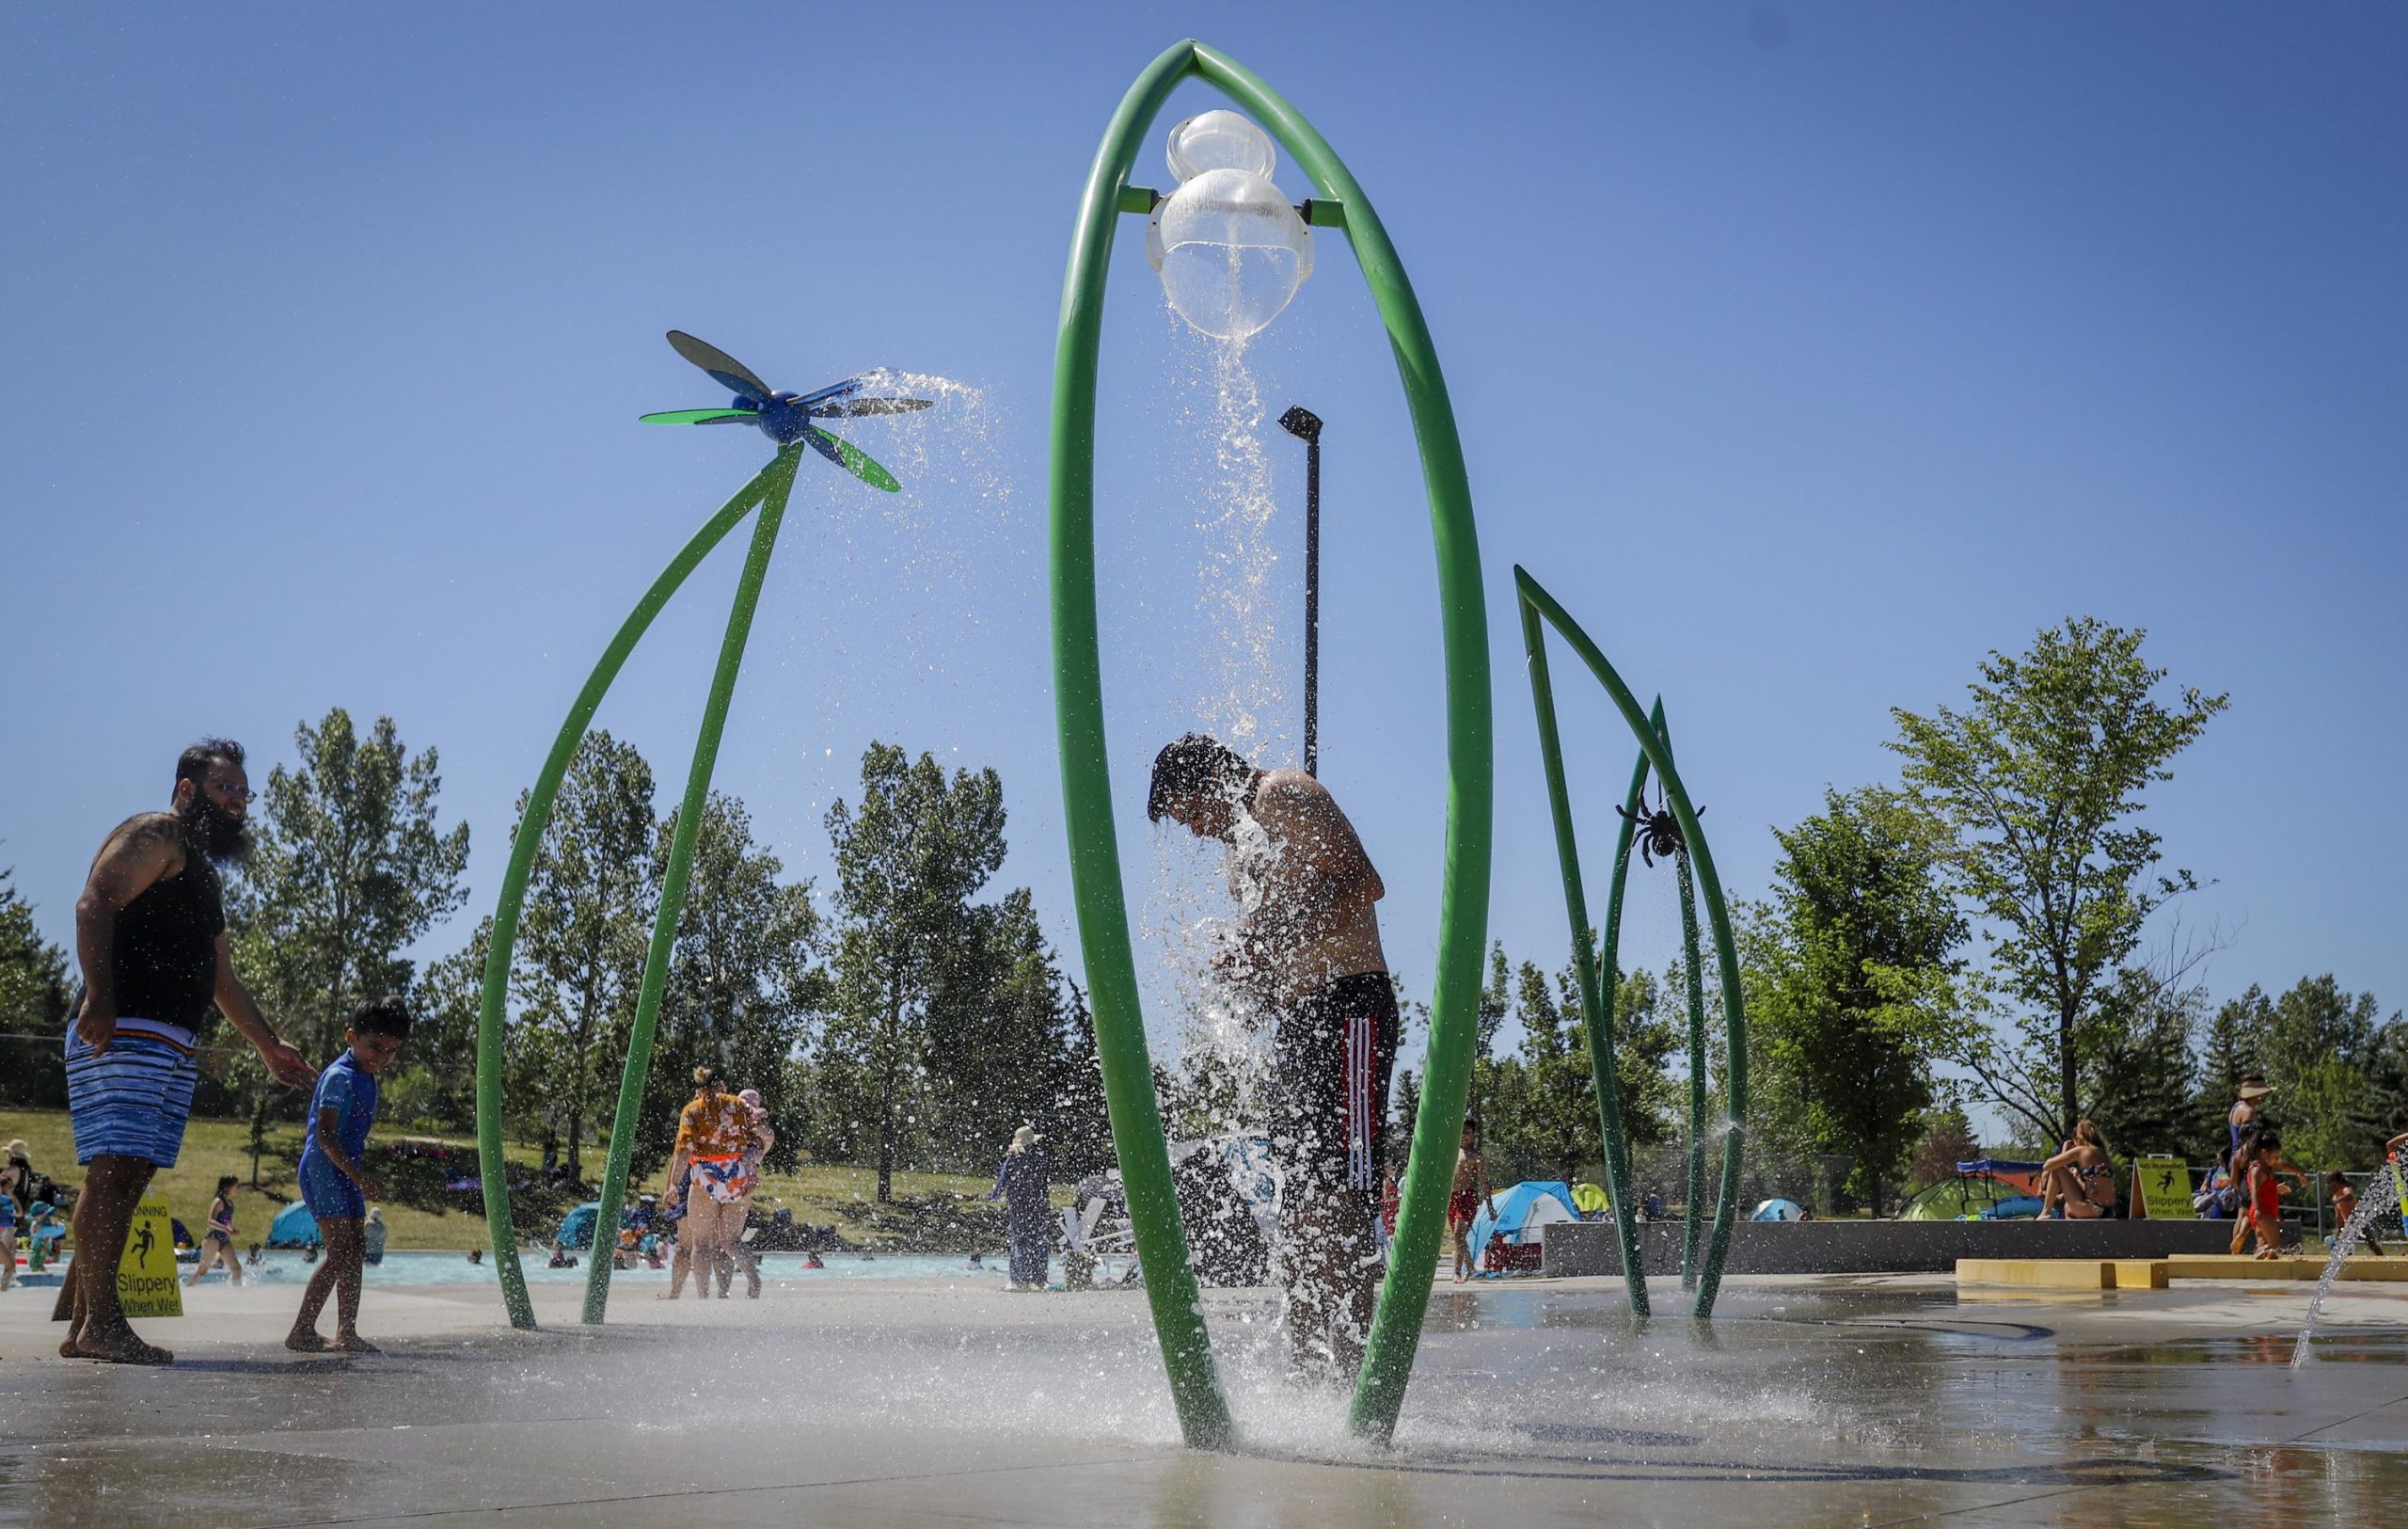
(909, 859)
(745, 981)
(578, 963)
(34, 1001)
(437, 1078)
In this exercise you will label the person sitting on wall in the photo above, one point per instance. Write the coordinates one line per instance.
(2079, 1182)
(2214, 1200)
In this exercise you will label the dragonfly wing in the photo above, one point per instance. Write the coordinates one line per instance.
(851, 458)
(852, 407)
(834, 390)
(724, 368)
(703, 416)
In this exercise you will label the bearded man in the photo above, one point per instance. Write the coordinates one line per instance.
(151, 939)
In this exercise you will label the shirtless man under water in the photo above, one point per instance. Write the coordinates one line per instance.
(1307, 949)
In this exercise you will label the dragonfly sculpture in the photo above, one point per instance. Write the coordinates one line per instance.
(785, 416)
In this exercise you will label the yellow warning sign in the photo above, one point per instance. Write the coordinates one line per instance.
(2161, 1189)
(147, 1282)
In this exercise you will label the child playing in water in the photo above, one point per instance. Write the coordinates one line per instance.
(332, 1181)
(2255, 1167)
(1469, 1192)
(2345, 1205)
(217, 1243)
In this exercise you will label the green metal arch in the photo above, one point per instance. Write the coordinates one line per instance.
(1086, 785)
(768, 491)
(1596, 973)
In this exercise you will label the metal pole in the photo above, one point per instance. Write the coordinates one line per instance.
(1305, 425)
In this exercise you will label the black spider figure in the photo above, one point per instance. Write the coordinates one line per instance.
(1659, 831)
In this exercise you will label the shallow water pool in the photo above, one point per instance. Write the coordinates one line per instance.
(450, 1268)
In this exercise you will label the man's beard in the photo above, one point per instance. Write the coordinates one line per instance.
(214, 831)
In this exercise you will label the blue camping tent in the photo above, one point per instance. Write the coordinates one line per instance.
(1522, 1213)
(294, 1227)
(1778, 1210)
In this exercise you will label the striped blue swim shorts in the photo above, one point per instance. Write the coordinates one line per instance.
(132, 1100)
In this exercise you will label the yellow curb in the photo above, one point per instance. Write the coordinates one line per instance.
(2039, 1273)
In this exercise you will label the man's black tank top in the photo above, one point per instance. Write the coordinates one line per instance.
(166, 951)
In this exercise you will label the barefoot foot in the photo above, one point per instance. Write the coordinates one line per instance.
(121, 1348)
(305, 1341)
(352, 1342)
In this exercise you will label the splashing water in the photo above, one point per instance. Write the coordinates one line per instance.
(2383, 1194)
(876, 596)
(1240, 694)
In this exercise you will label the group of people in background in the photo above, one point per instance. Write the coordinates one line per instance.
(714, 1167)
(2247, 1185)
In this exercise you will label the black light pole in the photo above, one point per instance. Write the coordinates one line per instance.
(1305, 425)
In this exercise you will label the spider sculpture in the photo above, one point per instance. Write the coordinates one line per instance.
(1659, 831)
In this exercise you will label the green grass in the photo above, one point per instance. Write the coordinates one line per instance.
(929, 1212)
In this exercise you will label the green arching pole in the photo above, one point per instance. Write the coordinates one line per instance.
(780, 476)
(1610, 981)
(1086, 786)
(1693, 982)
(1595, 1008)
(1709, 885)
(490, 1163)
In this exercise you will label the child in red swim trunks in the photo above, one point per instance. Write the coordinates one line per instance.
(1463, 1201)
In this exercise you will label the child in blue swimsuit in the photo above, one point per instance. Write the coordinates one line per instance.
(333, 1182)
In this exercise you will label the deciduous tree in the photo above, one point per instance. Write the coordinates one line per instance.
(1858, 967)
(2041, 779)
(350, 869)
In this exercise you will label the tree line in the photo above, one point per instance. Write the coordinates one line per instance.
(1994, 930)
(901, 1019)
(1974, 934)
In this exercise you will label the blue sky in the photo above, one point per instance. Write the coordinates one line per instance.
(1806, 353)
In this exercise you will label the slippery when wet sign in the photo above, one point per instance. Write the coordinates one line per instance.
(146, 1272)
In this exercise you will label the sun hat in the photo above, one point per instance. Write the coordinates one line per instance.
(2251, 1092)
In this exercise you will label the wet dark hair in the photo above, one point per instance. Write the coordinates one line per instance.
(225, 1181)
(193, 763)
(1471, 1122)
(1194, 765)
(388, 1015)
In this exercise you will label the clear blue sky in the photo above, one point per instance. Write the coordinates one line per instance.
(1807, 353)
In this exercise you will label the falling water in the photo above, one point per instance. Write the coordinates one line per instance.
(2383, 1194)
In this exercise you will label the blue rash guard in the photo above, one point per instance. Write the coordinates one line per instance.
(350, 1091)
